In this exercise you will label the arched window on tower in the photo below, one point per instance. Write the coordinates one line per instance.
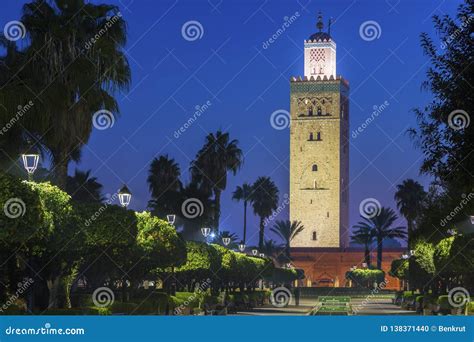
(320, 112)
(315, 167)
(311, 137)
(310, 111)
(314, 236)
(318, 136)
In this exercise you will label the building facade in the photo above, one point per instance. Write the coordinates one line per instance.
(319, 151)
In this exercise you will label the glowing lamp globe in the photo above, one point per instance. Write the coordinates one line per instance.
(262, 255)
(472, 219)
(226, 241)
(242, 246)
(255, 251)
(206, 231)
(171, 219)
(30, 162)
(124, 196)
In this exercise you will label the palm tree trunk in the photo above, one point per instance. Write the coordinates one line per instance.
(60, 169)
(379, 253)
(367, 255)
(217, 202)
(245, 221)
(261, 233)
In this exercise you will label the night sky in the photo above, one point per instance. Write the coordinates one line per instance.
(245, 83)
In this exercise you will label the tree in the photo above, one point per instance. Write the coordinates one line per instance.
(287, 231)
(74, 75)
(364, 236)
(226, 234)
(409, 197)
(244, 193)
(265, 201)
(381, 226)
(444, 134)
(209, 169)
(84, 188)
(165, 186)
(271, 248)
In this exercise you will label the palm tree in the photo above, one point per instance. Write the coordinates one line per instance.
(84, 188)
(74, 78)
(226, 234)
(209, 169)
(287, 231)
(364, 236)
(265, 201)
(381, 227)
(165, 185)
(244, 193)
(271, 248)
(409, 197)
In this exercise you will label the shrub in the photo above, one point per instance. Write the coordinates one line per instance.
(399, 268)
(366, 277)
(422, 268)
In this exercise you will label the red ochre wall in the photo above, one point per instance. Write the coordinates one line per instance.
(328, 266)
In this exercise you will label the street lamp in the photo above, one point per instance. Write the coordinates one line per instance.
(472, 219)
(364, 265)
(241, 246)
(226, 240)
(405, 256)
(124, 196)
(288, 265)
(30, 162)
(262, 255)
(451, 232)
(255, 251)
(171, 219)
(206, 231)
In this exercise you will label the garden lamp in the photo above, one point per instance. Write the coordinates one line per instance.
(30, 162)
(241, 246)
(226, 241)
(405, 256)
(205, 231)
(255, 251)
(472, 219)
(364, 265)
(288, 265)
(171, 218)
(124, 196)
(262, 255)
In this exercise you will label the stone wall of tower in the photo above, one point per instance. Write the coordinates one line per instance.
(319, 161)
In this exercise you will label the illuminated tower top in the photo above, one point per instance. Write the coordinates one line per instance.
(320, 53)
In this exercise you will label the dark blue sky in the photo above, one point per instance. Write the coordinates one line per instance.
(245, 83)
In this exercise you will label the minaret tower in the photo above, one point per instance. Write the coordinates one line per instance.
(319, 151)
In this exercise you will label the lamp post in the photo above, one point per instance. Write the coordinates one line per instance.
(124, 196)
(226, 241)
(30, 163)
(171, 219)
(241, 246)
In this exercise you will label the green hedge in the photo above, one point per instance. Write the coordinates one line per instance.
(365, 277)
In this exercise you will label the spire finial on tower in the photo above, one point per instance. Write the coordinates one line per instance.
(320, 24)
